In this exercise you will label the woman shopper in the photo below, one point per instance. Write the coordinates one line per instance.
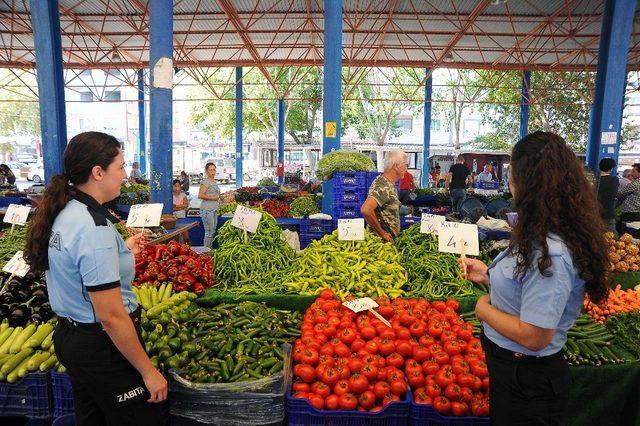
(210, 195)
(180, 200)
(89, 271)
(537, 285)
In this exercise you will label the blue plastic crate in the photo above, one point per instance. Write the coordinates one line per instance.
(62, 394)
(425, 415)
(315, 226)
(346, 210)
(301, 413)
(349, 180)
(5, 201)
(349, 195)
(30, 397)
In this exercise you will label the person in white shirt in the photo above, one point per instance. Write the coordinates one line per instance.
(180, 200)
(135, 172)
(485, 175)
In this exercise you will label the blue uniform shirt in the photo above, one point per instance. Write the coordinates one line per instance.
(552, 302)
(86, 253)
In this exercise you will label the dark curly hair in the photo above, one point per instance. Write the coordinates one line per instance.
(553, 195)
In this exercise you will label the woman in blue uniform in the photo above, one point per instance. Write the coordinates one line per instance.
(89, 271)
(537, 286)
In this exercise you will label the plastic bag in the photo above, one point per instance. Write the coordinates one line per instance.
(292, 239)
(256, 402)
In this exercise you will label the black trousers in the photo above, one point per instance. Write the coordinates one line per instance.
(526, 390)
(107, 390)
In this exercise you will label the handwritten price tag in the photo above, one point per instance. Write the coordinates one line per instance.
(459, 238)
(144, 215)
(351, 229)
(430, 223)
(246, 219)
(362, 304)
(16, 214)
(16, 266)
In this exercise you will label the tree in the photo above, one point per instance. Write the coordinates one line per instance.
(19, 109)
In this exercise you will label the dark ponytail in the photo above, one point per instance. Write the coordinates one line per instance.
(83, 153)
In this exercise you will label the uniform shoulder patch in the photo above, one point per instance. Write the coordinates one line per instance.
(54, 241)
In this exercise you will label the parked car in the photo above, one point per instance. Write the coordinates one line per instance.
(15, 167)
(35, 173)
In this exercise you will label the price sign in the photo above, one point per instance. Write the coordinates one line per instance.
(16, 266)
(359, 305)
(246, 219)
(430, 223)
(16, 214)
(144, 215)
(351, 229)
(461, 238)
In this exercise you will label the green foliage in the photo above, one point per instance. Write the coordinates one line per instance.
(343, 161)
(19, 109)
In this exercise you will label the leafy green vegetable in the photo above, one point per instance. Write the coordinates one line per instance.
(303, 206)
(266, 181)
(338, 161)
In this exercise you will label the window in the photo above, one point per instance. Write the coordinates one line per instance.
(405, 125)
(413, 159)
(436, 125)
(86, 97)
(112, 96)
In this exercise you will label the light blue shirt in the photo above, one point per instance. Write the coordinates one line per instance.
(485, 177)
(552, 302)
(86, 253)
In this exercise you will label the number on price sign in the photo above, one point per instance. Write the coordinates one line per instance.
(16, 266)
(430, 223)
(16, 214)
(246, 219)
(351, 229)
(460, 238)
(362, 304)
(144, 215)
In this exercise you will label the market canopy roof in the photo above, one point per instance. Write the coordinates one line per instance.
(496, 34)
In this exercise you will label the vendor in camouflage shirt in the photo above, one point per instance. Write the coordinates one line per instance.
(381, 209)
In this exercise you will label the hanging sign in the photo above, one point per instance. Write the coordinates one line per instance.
(459, 238)
(144, 215)
(246, 219)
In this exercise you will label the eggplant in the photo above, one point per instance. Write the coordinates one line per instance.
(19, 316)
(36, 318)
(22, 295)
(39, 296)
(7, 298)
(4, 311)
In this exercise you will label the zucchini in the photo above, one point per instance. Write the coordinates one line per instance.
(24, 335)
(161, 291)
(154, 296)
(167, 293)
(4, 335)
(15, 360)
(48, 341)
(36, 359)
(38, 337)
(13, 376)
(48, 364)
(4, 349)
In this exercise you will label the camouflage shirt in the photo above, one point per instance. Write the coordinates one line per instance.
(388, 211)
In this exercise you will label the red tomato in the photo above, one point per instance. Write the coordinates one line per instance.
(441, 357)
(355, 365)
(420, 353)
(394, 374)
(367, 399)
(412, 366)
(358, 383)
(416, 380)
(433, 390)
(386, 311)
(332, 402)
(450, 314)
(370, 371)
(327, 349)
(368, 332)
(330, 376)
(395, 360)
(480, 408)
(442, 405)
(299, 386)
(403, 333)
(430, 366)
(381, 389)
(474, 347)
(326, 360)
(459, 366)
(309, 356)
(371, 346)
(417, 329)
(465, 380)
(439, 305)
(453, 304)
(427, 341)
(444, 378)
(321, 389)
(452, 347)
(467, 394)
(334, 320)
(306, 372)
(316, 401)
(435, 329)
(297, 353)
(477, 383)
(407, 319)
(448, 335)
(341, 387)
(479, 368)
(404, 348)
(485, 383)
(386, 346)
(389, 399)
(327, 294)
(398, 387)
(459, 408)
(341, 350)
(453, 392)
(357, 344)
(348, 402)
(343, 371)
(347, 335)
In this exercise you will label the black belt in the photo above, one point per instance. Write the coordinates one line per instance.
(97, 326)
(508, 355)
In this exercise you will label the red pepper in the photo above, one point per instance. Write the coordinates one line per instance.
(159, 250)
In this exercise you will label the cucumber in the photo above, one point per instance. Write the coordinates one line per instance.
(15, 360)
(161, 291)
(13, 376)
(154, 296)
(48, 342)
(4, 325)
(26, 333)
(4, 357)
(4, 335)
(36, 359)
(48, 364)
(4, 349)
(38, 337)
(167, 292)
(145, 300)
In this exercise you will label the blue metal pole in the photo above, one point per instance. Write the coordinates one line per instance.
(605, 123)
(426, 142)
(280, 135)
(524, 104)
(45, 21)
(161, 97)
(142, 130)
(332, 88)
(238, 127)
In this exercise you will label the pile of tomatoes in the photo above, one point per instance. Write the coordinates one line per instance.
(349, 361)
